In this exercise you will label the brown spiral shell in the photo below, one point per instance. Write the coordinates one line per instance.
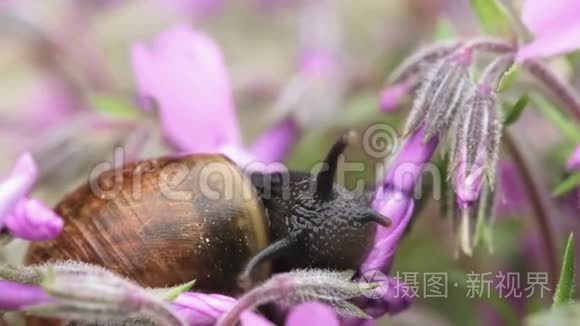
(162, 222)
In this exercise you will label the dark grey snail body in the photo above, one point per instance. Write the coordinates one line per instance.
(290, 221)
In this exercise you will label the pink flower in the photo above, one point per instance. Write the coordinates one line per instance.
(555, 26)
(312, 313)
(184, 72)
(394, 198)
(574, 160)
(18, 183)
(26, 218)
(392, 95)
(204, 309)
(198, 9)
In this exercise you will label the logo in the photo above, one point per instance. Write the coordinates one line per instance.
(373, 276)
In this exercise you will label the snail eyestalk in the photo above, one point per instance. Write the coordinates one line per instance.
(325, 178)
(379, 219)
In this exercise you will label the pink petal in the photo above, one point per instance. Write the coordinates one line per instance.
(195, 8)
(468, 187)
(185, 73)
(16, 296)
(18, 183)
(312, 313)
(554, 43)
(275, 144)
(205, 309)
(318, 62)
(399, 208)
(555, 26)
(541, 16)
(573, 163)
(511, 197)
(32, 220)
(392, 95)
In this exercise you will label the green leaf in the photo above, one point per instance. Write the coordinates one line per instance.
(508, 78)
(566, 126)
(567, 185)
(170, 294)
(114, 107)
(562, 315)
(565, 287)
(516, 110)
(443, 30)
(493, 16)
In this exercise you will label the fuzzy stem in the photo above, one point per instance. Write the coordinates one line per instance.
(413, 64)
(559, 88)
(542, 207)
(490, 45)
(25, 275)
(495, 70)
(248, 301)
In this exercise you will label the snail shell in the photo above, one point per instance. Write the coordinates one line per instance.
(162, 222)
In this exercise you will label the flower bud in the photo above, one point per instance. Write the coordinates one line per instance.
(17, 296)
(443, 90)
(83, 292)
(573, 163)
(476, 145)
(392, 95)
(17, 185)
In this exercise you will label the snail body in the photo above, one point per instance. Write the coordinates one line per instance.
(166, 221)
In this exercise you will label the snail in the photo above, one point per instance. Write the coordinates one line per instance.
(167, 221)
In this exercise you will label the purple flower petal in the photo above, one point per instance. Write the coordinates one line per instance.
(410, 161)
(312, 313)
(392, 95)
(468, 185)
(15, 296)
(573, 163)
(511, 197)
(546, 45)
(394, 198)
(195, 8)
(205, 309)
(400, 209)
(185, 73)
(555, 26)
(318, 63)
(18, 183)
(32, 220)
(542, 16)
(275, 144)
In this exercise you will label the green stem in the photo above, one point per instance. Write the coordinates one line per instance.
(543, 209)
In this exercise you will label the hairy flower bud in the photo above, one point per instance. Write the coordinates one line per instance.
(299, 286)
(476, 145)
(573, 163)
(78, 291)
(442, 92)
